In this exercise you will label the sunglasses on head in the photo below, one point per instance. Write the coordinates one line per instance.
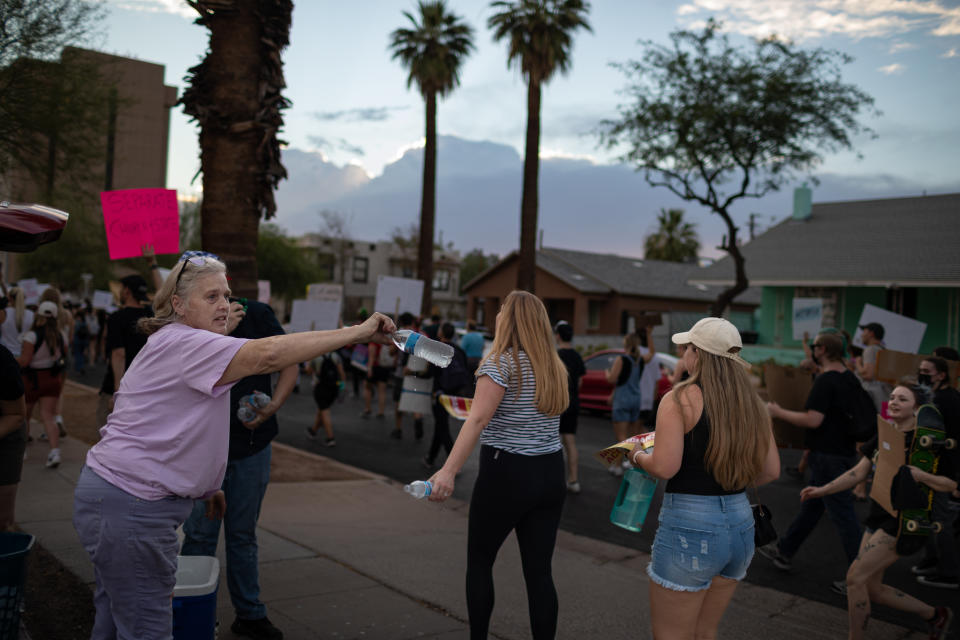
(197, 259)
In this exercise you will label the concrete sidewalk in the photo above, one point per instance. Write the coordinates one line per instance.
(360, 559)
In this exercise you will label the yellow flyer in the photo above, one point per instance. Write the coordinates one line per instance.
(613, 453)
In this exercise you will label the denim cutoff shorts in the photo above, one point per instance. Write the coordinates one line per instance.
(699, 538)
(625, 414)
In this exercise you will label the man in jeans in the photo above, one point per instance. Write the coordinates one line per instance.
(245, 481)
(832, 453)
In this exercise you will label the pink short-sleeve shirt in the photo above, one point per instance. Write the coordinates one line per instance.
(168, 434)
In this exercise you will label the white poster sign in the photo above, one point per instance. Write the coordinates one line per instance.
(31, 290)
(325, 291)
(900, 333)
(397, 295)
(102, 299)
(314, 315)
(807, 317)
(263, 291)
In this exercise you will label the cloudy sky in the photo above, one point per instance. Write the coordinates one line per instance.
(353, 116)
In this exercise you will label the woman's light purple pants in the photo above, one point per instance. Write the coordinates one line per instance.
(133, 545)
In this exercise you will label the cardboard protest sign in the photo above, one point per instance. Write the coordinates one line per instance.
(102, 299)
(263, 291)
(894, 365)
(137, 217)
(807, 317)
(891, 455)
(900, 333)
(398, 295)
(314, 315)
(789, 388)
(325, 291)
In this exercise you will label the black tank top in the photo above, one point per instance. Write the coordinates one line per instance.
(693, 476)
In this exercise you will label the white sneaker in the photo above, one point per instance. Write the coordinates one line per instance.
(53, 459)
(573, 487)
(626, 464)
(615, 470)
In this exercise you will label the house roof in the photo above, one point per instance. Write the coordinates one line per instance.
(899, 241)
(605, 273)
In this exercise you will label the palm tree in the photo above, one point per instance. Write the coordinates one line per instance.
(540, 36)
(235, 96)
(433, 50)
(675, 240)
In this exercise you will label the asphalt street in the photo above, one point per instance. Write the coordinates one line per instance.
(366, 443)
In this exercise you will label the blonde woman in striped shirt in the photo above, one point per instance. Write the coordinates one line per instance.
(521, 392)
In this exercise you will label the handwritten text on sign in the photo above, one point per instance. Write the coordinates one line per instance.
(137, 217)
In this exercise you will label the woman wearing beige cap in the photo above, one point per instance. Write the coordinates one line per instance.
(714, 439)
(42, 360)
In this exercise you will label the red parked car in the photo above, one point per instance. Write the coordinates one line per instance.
(24, 227)
(595, 390)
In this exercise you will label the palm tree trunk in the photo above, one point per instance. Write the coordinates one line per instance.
(428, 206)
(527, 262)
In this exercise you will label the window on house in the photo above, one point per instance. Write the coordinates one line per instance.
(361, 266)
(407, 271)
(326, 265)
(902, 300)
(593, 313)
(441, 280)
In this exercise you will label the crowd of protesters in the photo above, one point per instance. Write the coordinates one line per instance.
(182, 348)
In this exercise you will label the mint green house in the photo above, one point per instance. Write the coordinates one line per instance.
(900, 254)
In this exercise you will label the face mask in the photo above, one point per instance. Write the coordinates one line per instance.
(925, 379)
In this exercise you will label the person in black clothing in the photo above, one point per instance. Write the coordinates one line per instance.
(123, 341)
(939, 567)
(13, 433)
(880, 546)
(568, 419)
(832, 453)
(452, 380)
(245, 482)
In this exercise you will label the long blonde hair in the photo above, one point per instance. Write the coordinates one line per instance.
(16, 296)
(631, 344)
(739, 421)
(163, 313)
(525, 326)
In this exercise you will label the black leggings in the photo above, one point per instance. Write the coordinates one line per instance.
(519, 492)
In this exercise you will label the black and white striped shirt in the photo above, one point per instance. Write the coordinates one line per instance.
(517, 426)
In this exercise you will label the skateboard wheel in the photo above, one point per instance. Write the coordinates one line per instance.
(912, 525)
(936, 527)
(926, 442)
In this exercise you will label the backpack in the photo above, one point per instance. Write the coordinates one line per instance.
(455, 377)
(858, 409)
(626, 368)
(328, 376)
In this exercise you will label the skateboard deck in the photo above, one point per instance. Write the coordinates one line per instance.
(929, 439)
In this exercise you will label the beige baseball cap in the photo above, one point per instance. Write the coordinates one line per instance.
(716, 336)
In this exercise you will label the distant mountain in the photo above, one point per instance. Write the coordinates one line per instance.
(583, 205)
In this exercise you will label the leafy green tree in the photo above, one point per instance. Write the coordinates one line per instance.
(288, 267)
(675, 240)
(433, 49)
(540, 37)
(715, 124)
(473, 264)
(235, 95)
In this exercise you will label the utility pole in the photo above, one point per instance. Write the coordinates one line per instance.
(753, 217)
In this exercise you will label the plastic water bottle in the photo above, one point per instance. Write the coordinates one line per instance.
(421, 346)
(255, 400)
(419, 488)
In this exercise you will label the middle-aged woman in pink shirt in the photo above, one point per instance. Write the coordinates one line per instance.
(165, 444)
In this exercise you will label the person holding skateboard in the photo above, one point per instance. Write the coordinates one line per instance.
(885, 540)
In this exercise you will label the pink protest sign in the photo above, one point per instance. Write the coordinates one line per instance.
(137, 217)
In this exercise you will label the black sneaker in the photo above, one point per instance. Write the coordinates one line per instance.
(926, 567)
(772, 552)
(839, 587)
(939, 581)
(311, 434)
(260, 629)
(940, 624)
(331, 442)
